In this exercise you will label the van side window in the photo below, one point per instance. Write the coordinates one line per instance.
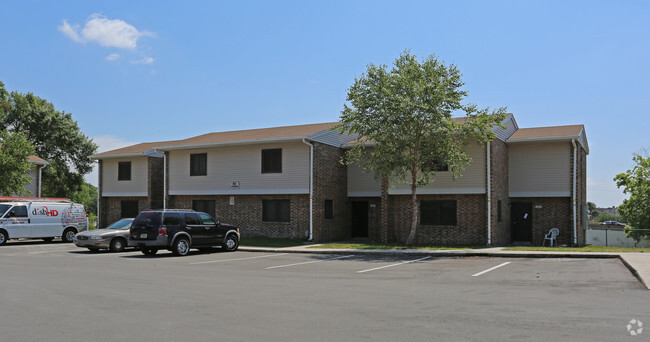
(18, 211)
(192, 219)
(172, 219)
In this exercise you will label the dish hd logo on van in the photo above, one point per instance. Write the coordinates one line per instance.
(45, 212)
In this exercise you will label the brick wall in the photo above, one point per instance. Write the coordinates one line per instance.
(550, 212)
(112, 208)
(246, 213)
(470, 229)
(330, 183)
(581, 193)
(155, 182)
(500, 191)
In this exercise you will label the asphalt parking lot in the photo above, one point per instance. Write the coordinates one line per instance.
(58, 292)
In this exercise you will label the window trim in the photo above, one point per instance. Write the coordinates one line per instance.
(271, 168)
(440, 220)
(120, 171)
(277, 214)
(202, 168)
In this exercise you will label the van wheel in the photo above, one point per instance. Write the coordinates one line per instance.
(181, 246)
(117, 245)
(3, 237)
(231, 244)
(68, 234)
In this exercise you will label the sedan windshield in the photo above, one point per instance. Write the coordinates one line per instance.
(123, 224)
(4, 208)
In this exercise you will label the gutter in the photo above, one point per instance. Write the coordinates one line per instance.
(489, 196)
(311, 188)
(573, 194)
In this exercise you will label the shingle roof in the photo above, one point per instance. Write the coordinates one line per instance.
(571, 131)
(260, 134)
(37, 160)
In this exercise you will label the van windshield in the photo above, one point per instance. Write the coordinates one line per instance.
(147, 220)
(4, 208)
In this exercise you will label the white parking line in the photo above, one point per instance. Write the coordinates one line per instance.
(401, 263)
(490, 269)
(257, 257)
(309, 262)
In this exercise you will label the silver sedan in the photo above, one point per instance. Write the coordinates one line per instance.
(113, 237)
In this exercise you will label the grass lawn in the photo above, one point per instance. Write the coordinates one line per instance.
(389, 246)
(269, 242)
(588, 248)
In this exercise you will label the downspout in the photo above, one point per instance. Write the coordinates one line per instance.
(573, 195)
(489, 196)
(99, 193)
(164, 180)
(40, 179)
(311, 189)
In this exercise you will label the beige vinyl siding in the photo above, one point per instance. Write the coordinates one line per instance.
(472, 181)
(362, 184)
(32, 187)
(137, 186)
(540, 169)
(242, 164)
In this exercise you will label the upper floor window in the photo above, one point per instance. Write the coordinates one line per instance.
(198, 164)
(124, 171)
(272, 160)
(439, 213)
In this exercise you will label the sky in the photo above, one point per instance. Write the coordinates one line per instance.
(140, 71)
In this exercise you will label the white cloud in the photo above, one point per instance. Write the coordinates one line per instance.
(106, 32)
(106, 143)
(145, 60)
(112, 57)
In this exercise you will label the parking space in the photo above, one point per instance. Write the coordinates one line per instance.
(293, 296)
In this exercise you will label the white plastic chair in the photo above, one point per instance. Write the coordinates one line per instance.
(551, 237)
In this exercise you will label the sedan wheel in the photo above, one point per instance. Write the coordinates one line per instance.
(117, 245)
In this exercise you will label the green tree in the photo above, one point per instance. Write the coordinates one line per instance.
(14, 165)
(86, 196)
(591, 206)
(636, 209)
(404, 116)
(56, 137)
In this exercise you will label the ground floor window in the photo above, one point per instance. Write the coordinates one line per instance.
(275, 210)
(129, 209)
(206, 206)
(439, 213)
(329, 209)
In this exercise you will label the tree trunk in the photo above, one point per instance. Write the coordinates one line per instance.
(414, 210)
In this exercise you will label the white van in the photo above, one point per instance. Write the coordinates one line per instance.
(40, 218)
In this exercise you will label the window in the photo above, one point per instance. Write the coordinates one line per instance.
(440, 213)
(436, 165)
(499, 211)
(275, 210)
(192, 219)
(198, 164)
(329, 209)
(18, 211)
(129, 209)
(124, 171)
(272, 161)
(207, 219)
(206, 206)
(172, 219)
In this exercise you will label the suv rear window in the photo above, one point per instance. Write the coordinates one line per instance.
(147, 220)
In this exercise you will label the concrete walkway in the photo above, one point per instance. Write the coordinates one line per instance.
(637, 263)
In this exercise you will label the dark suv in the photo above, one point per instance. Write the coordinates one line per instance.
(179, 230)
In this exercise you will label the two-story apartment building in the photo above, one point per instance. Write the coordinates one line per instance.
(289, 182)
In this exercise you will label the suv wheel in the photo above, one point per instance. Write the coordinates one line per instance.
(181, 246)
(231, 244)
